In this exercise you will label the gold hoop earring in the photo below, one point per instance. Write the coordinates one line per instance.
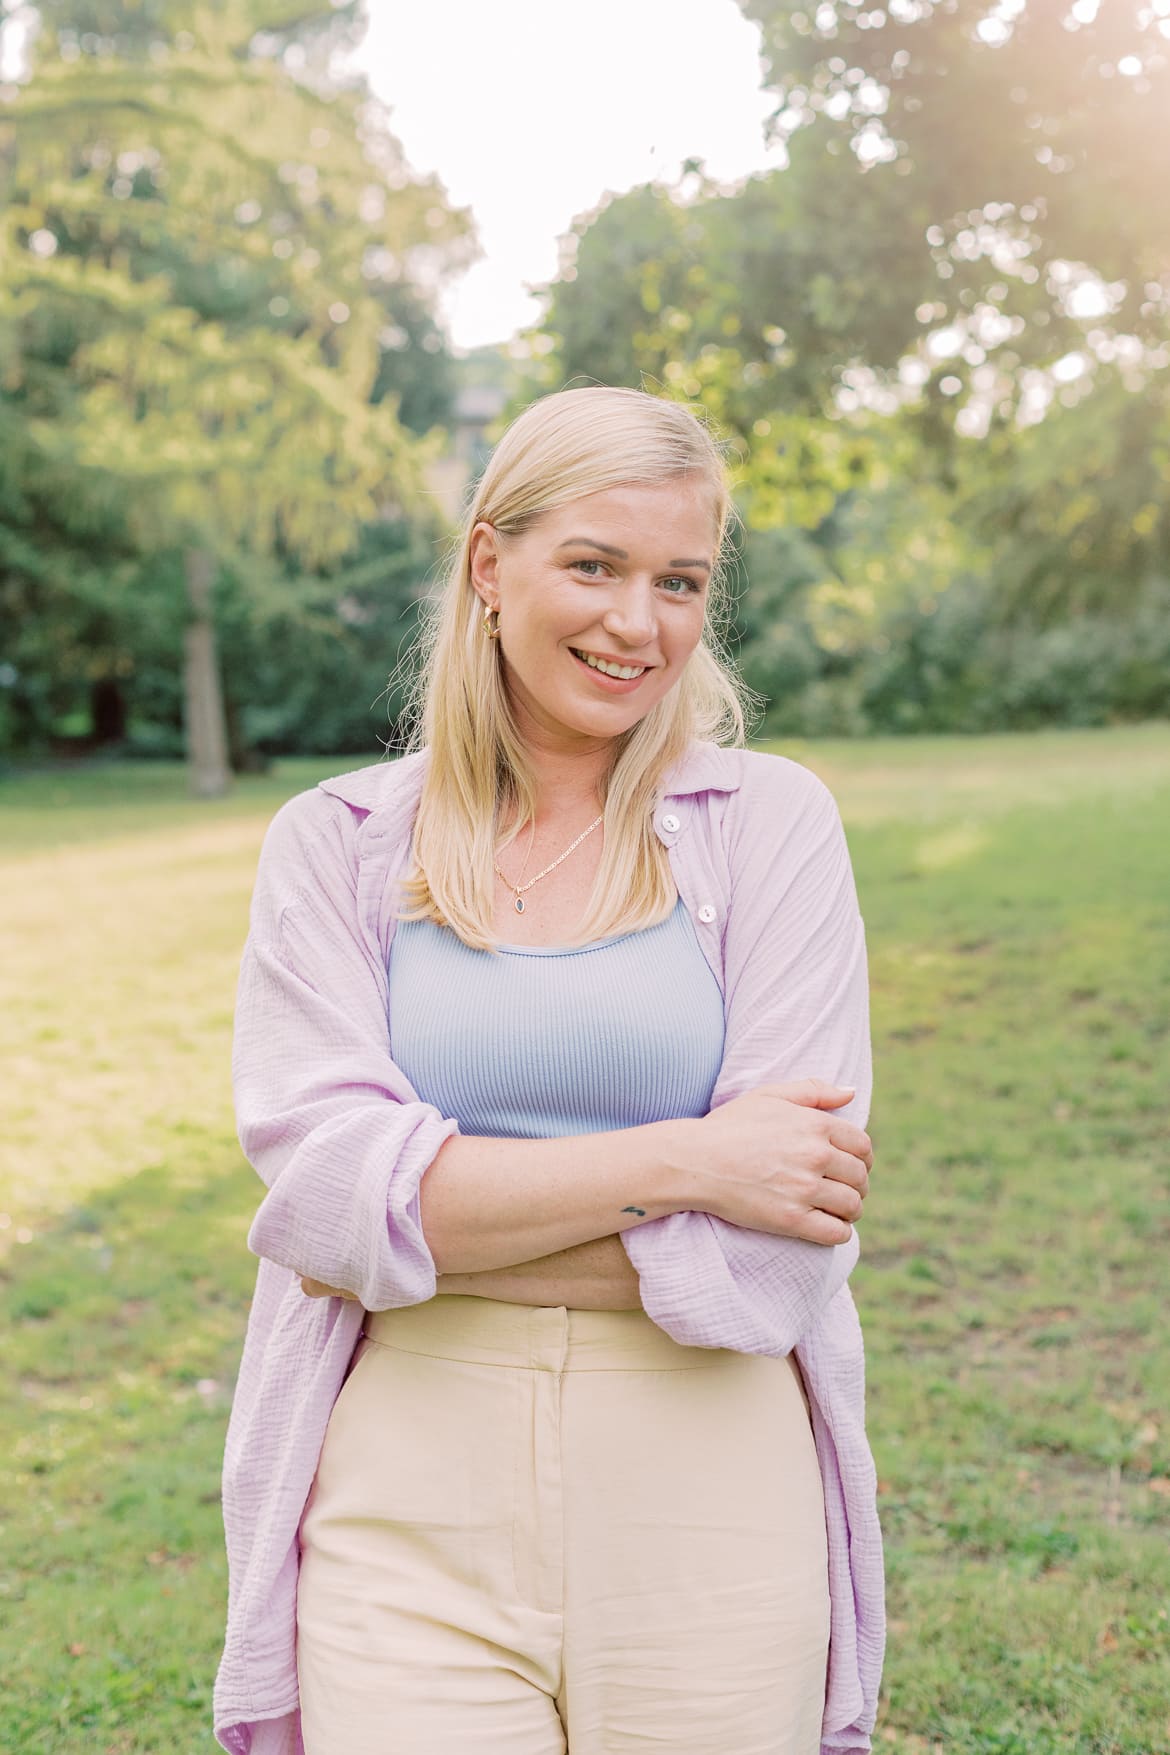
(493, 633)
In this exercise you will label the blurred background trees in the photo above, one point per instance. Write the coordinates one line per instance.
(937, 340)
(220, 359)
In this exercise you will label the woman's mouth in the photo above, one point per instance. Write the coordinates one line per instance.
(619, 676)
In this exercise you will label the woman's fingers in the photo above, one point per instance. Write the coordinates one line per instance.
(850, 1138)
(818, 1227)
(839, 1198)
(318, 1289)
(843, 1167)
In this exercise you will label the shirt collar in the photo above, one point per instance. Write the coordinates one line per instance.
(706, 767)
(391, 788)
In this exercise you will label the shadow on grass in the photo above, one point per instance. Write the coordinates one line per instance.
(125, 1318)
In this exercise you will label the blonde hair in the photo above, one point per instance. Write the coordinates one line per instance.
(565, 446)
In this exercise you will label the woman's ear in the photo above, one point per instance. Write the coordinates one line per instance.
(484, 563)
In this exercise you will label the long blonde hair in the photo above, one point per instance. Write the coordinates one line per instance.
(565, 446)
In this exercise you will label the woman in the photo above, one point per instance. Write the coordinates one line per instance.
(549, 1428)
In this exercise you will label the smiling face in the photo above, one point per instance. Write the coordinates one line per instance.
(601, 604)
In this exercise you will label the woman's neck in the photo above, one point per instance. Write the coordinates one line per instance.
(568, 784)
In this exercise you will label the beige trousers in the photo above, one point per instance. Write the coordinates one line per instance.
(540, 1530)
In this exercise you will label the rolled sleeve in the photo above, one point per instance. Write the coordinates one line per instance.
(325, 1117)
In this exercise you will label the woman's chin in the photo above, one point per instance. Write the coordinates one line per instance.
(578, 721)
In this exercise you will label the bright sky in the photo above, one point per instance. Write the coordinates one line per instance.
(530, 110)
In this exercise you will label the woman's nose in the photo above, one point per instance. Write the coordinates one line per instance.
(630, 617)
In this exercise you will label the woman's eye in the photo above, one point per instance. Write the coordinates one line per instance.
(583, 567)
(688, 585)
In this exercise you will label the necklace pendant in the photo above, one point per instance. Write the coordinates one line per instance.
(519, 904)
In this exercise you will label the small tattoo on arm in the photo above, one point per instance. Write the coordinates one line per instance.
(641, 1211)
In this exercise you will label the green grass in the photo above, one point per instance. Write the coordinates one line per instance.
(1013, 1279)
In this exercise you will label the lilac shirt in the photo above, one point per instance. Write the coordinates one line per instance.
(342, 1141)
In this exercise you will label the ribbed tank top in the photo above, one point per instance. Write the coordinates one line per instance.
(536, 1043)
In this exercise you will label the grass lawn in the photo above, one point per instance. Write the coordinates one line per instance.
(1013, 1279)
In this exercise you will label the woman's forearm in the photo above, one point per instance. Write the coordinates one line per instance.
(493, 1203)
(597, 1275)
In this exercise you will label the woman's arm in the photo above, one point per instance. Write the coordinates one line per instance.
(589, 1276)
(797, 1005)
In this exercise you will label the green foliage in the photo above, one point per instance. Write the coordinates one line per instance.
(1011, 153)
(333, 677)
(1075, 507)
(757, 298)
(944, 664)
(890, 617)
(750, 304)
(937, 341)
(212, 313)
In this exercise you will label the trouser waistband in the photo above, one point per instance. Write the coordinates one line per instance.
(488, 1331)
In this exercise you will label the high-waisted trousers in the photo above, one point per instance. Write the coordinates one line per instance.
(539, 1530)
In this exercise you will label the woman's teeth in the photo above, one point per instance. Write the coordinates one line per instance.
(624, 671)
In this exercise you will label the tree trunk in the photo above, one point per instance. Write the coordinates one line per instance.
(107, 711)
(243, 758)
(207, 759)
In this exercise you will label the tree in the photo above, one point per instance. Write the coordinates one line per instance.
(959, 284)
(204, 236)
(1026, 143)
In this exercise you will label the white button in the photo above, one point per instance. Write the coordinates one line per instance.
(706, 914)
(670, 824)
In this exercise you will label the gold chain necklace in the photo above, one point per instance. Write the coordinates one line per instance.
(519, 891)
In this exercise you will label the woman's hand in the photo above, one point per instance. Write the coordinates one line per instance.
(774, 1160)
(318, 1289)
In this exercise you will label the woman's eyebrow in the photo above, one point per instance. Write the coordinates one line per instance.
(620, 553)
(592, 542)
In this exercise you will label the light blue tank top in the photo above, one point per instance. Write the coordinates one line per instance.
(537, 1043)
